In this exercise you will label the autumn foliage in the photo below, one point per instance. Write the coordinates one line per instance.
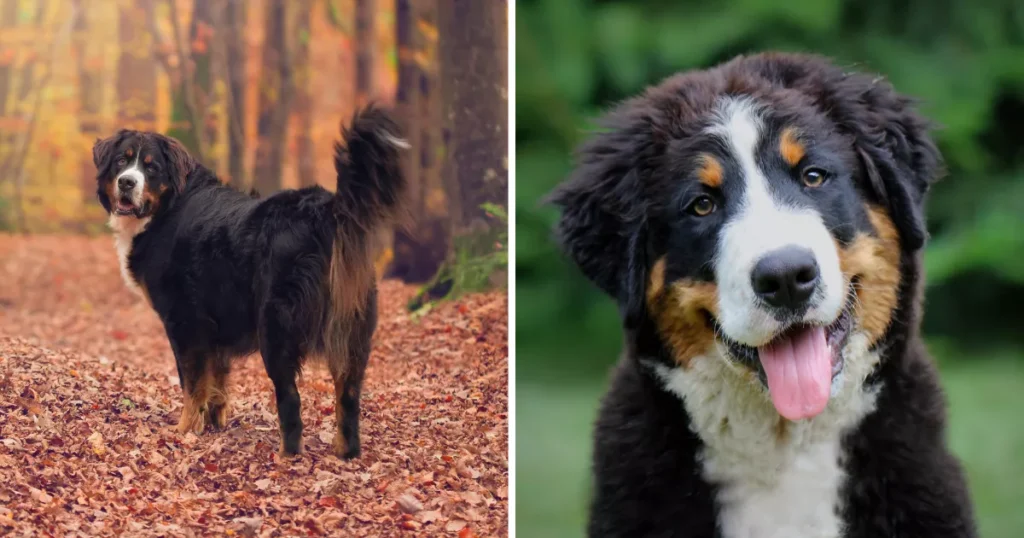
(89, 399)
(75, 70)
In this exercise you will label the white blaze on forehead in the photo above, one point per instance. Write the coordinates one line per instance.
(761, 225)
(135, 173)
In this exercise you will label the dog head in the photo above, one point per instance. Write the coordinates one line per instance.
(761, 209)
(138, 172)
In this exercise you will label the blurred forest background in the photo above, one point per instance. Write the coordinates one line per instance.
(965, 61)
(257, 91)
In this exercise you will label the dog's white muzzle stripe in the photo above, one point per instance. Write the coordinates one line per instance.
(761, 226)
(134, 173)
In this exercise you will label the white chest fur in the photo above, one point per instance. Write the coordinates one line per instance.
(775, 479)
(125, 229)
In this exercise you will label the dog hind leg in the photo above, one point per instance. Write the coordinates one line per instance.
(196, 383)
(219, 406)
(348, 365)
(282, 353)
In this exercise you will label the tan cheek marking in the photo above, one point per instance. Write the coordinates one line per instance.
(111, 192)
(792, 150)
(875, 259)
(678, 311)
(710, 172)
(152, 197)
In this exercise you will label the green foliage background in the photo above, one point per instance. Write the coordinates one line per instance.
(965, 61)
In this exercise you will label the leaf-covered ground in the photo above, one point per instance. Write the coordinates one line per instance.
(89, 398)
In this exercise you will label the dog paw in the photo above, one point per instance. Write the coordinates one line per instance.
(289, 450)
(338, 445)
(192, 421)
(341, 448)
(219, 415)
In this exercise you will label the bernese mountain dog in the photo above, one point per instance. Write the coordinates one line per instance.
(761, 224)
(290, 275)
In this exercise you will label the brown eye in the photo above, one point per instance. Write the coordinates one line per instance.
(702, 206)
(121, 161)
(814, 177)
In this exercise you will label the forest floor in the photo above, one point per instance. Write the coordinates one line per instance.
(89, 398)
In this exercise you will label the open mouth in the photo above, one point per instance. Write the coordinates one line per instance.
(799, 364)
(124, 207)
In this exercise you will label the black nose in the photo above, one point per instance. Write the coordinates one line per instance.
(786, 278)
(126, 183)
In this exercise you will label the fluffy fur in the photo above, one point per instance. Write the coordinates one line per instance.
(671, 210)
(290, 275)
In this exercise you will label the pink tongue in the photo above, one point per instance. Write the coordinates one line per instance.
(799, 371)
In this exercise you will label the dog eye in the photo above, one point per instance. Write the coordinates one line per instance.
(814, 177)
(121, 161)
(702, 206)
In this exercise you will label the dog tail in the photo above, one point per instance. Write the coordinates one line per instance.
(370, 194)
(370, 181)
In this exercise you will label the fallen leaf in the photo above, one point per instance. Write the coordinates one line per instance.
(428, 516)
(151, 480)
(409, 504)
(96, 440)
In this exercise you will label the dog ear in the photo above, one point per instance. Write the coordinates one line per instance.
(180, 161)
(103, 150)
(603, 222)
(892, 141)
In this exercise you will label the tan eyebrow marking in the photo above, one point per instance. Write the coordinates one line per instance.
(710, 172)
(792, 150)
(147, 159)
(129, 152)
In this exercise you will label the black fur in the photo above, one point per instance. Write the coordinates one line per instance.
(620, 213)
(230, 273)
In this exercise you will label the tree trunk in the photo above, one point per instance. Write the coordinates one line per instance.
(8, 19)
(405, 242)
(90, 98)
(306, 161)
(17, 88)
(420, 249)
(136, 71)
(474, 54)
(205, 51)
(275, 101)
(27, 79)
(408, 92)
(365, 45)
(234, 34)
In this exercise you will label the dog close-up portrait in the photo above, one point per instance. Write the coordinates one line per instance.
(229, 273)
(760, 226)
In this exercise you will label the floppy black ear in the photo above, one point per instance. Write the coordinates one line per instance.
(103, 157)
(103, 151)
(603, 226)
(178, 159)
(892, 141)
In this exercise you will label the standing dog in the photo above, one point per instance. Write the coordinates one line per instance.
(760, 225)
(290, 275)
